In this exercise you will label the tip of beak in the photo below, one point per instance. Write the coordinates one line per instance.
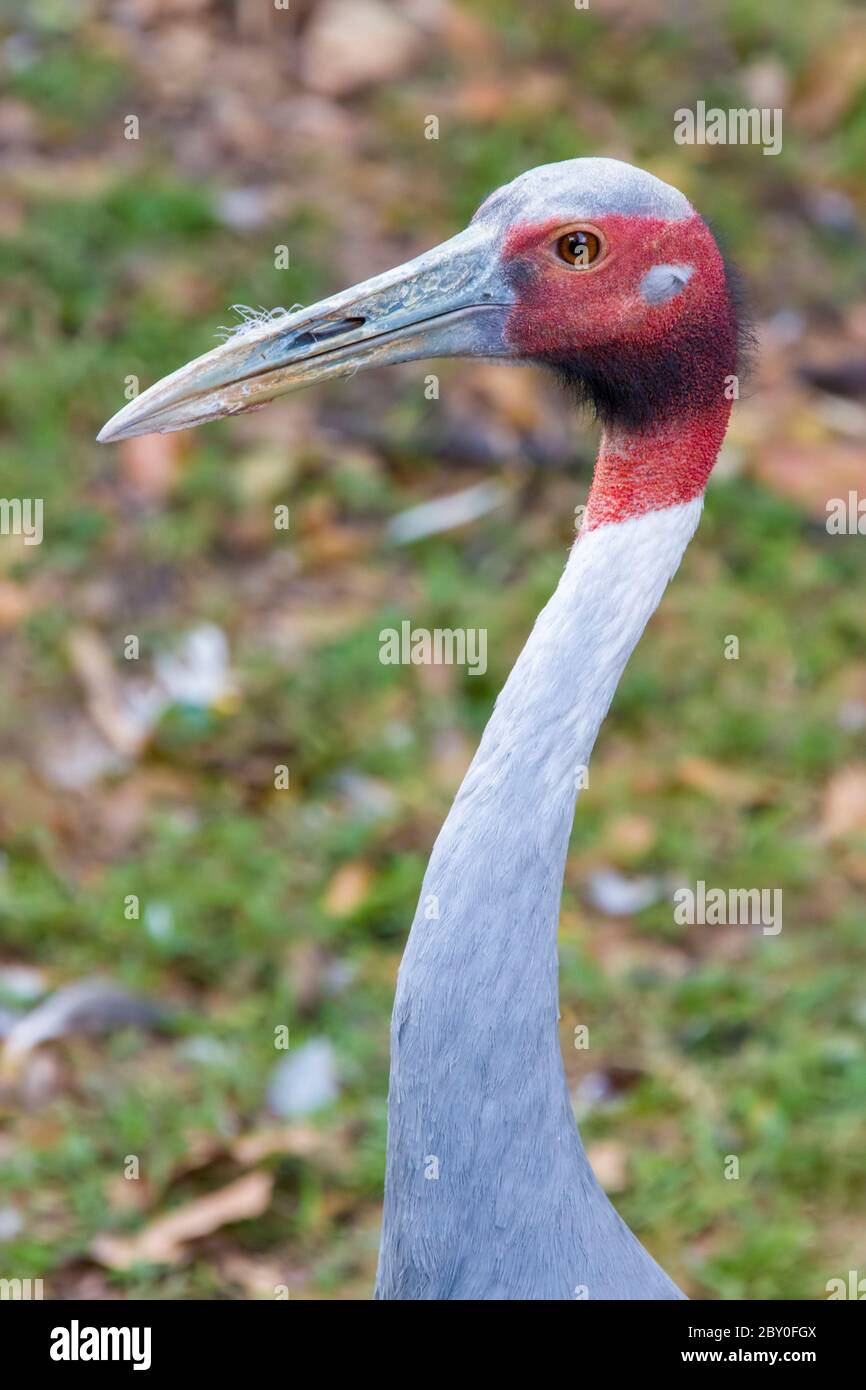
(127, 422)
(115, 428)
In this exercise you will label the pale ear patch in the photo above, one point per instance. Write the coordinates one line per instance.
(662, 282)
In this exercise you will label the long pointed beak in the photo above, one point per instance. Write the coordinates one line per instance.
(453, 301)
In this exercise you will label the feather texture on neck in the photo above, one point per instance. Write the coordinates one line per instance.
(477, 1089)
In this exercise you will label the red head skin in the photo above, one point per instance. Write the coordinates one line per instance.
(678, 355)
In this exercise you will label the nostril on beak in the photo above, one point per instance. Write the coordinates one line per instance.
(327, 330)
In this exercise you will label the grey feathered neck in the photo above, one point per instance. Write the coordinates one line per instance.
(488, 1190)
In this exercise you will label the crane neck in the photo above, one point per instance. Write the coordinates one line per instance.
(641, 470)
(478, 1099)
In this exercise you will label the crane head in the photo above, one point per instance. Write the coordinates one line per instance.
(591, 267)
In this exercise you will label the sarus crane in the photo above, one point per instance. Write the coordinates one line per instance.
(607, 275)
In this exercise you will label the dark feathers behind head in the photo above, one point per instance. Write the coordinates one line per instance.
(635, 387)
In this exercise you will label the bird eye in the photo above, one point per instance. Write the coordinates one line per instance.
(579, 249)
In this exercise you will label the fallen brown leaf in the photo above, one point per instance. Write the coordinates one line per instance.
(163, 1241)
(733, 787)
(259, 1278)
(329, 1148)
(348, 888)
(92, 662)
(844, 804)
